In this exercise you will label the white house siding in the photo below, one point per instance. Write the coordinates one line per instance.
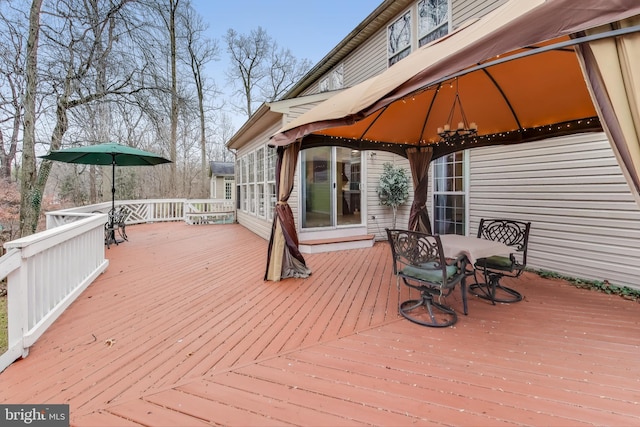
(464, 10)
(368, 60)
(585, 222)
(217, 187)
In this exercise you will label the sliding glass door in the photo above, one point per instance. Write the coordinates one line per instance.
(331, 187)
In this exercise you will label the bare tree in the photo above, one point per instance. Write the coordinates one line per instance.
(260, 70)
(12, 86)
(73, 54)
(225, 130)
(284, 70)
(249, 54)
(173, 155)
(200, 51)
(169, 15)
(30, 199)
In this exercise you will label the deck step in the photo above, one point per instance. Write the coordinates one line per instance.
(337, 243)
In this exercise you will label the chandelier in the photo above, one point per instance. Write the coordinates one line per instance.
(463, 130)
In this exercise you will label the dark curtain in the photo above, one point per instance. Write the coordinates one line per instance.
(283, 256)
(419, 160)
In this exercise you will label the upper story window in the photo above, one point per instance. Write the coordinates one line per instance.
(399, 38)
(272, 156)
(251, 168)
(260, 164)
(433, 20)
(334, 80)
(243, 170)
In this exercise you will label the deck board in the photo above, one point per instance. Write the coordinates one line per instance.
(199, 338)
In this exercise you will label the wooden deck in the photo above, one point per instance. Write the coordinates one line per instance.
(181, 330)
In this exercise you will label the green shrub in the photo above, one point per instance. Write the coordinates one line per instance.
(596, 285)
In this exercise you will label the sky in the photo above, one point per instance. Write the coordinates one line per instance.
(309, 28)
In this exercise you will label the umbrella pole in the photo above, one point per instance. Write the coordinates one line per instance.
(112, 212)
(113, 185)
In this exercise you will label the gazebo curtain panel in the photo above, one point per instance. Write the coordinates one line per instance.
(419, 160)
(520, 72)
(612, 70)
(283, 256)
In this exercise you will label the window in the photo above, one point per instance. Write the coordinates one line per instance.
(256, 178)
(260, 197)
(251, 177)
(449, 195)
(433, 20)
(260, 165)
(334, 80)
(238, 173)
(271, 181)
(228, 187)
(243, 182)
(399, 38)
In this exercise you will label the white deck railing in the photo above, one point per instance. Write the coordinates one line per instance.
(47, 271)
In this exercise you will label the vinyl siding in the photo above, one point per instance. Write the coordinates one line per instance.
(368, 60)
(464, 10)
(585, 222)
(217, 187)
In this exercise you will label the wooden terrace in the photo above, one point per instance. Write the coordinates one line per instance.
(181, 330)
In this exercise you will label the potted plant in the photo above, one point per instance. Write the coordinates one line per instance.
(393, 189)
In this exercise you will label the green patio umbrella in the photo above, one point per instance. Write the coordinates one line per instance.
(108, 153)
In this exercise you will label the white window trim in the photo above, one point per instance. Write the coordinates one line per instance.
(465, 183)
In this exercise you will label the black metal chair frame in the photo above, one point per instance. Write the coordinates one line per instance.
(512, 233)
(116, 222)
(417, 256)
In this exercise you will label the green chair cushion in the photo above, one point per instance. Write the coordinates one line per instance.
(498, 262)
(428, 272)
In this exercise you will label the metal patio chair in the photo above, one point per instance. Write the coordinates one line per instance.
(514, 234)
(116, 223)
(419, 260)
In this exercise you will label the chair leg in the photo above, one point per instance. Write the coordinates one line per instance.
(515, 295)
(433, 314)
(463, 289)
(487, 290)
